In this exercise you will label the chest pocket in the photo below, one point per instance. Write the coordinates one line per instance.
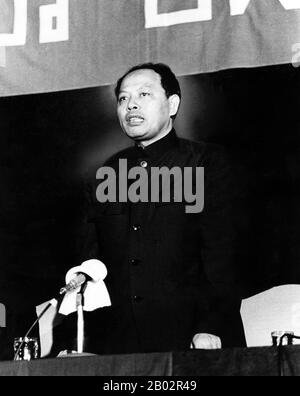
(113, 209)
(171, 213)
(172, 205)
(102, 210)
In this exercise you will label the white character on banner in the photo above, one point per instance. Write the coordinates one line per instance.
(296, 56)
(2, 315)
(238, 7)
(54, 22)
(290, 4)
(203, 12)
(18, 36)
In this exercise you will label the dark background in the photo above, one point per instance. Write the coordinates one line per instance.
(49, 143)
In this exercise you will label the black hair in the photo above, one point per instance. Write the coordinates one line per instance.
(169, 81)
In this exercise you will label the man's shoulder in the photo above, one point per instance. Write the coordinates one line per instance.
(192, 145)
(126, 153)
(204, 151)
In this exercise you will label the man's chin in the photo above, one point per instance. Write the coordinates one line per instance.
(136, 134)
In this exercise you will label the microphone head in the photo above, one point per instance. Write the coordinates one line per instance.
(95, 269)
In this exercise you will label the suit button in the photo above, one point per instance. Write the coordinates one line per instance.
(144, 164)
(137, 299)
(135, 262)
(136, 227)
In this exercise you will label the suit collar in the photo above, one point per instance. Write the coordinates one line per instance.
(158, 148)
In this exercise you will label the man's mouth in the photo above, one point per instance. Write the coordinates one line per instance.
(134, 119)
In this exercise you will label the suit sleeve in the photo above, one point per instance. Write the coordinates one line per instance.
(89, 242)
(219, 232)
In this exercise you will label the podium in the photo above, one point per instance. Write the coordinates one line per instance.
(262, 361)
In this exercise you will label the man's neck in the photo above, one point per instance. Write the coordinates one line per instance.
(156, 138)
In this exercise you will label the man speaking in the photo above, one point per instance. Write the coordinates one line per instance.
(171, 271)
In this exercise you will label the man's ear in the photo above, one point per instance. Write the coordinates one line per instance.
(174, 103)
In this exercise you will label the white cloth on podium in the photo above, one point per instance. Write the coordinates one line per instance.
(46, 326)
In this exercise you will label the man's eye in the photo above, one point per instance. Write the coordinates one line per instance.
(122, 99)
(145, 94)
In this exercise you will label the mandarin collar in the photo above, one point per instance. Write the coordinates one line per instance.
(158, 148)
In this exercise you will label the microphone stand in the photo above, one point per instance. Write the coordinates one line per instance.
(80, 318)
(80, 322)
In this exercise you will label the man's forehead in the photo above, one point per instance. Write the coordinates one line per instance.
(142, 77)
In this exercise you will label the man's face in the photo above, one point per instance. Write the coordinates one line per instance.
(144, 110)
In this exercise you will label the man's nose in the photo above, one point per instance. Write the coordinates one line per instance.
(132, 104)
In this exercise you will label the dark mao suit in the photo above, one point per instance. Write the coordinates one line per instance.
(171, 274)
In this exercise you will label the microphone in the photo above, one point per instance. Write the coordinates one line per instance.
(90, 270)
(79, 280)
